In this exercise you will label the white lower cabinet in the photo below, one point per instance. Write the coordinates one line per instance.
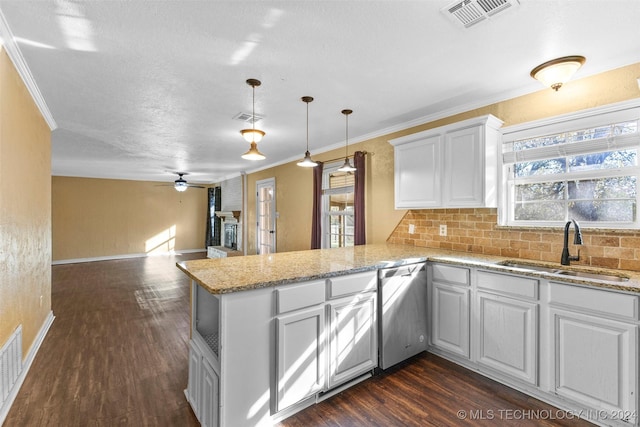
(353, 343)
(573, 346)
(449, 307)
(193, 387)
(209, 392)
(594, 361)
(203, 389)
(300, 344)
(506, 308)
(594, 349)
(507, 336)
(450, 319)
(325, 335)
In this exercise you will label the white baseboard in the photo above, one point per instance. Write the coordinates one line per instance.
(125, 256)
(26, 365)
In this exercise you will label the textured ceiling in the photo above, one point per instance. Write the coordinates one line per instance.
(139, 89)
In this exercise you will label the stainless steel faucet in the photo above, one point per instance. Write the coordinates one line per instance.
(577, 240)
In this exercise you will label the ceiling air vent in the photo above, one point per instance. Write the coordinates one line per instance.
(470, 12)
(246, 117)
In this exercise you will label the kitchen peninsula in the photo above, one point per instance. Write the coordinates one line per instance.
(266, 341)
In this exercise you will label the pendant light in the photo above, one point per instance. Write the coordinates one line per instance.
(558, 71)
(347, 167)
(307, 162)
(253, 135)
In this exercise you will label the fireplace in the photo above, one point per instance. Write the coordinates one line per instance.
(231, 235)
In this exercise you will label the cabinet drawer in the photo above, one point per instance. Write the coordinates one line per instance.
(352, 284)
(450, 274)
(595, 300)
(299, 296)
(511, 285)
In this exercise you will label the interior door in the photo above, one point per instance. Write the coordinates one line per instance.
(266, 216)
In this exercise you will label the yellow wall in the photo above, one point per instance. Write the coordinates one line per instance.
(294, 184)
(107, 217)
(294, 197)
(25, 210)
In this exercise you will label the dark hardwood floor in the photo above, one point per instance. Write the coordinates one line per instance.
(117, 355)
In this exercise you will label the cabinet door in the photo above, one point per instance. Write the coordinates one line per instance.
(508, 336)
(300, 360)
(209, 402)
(417, 173)
(353, 345)
(450, 318)
(595, 361)
(464, 167)
(193, 387)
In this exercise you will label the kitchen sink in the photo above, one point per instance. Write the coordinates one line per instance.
(588, 275)
(555, 270)
(530, 267)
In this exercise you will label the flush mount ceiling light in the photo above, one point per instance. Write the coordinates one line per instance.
(558, 71)
(253, 135)
(307, 162)
(347, 167)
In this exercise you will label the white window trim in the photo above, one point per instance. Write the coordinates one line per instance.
(593, 117)
(326, 226)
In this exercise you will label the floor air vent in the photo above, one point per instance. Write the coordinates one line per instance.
(470, 12)
(10, 364)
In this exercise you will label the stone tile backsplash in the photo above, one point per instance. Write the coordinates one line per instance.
(476, 230)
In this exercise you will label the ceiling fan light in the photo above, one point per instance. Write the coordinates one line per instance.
(252, 135)
(180, 186)
(253, 153)
(307, 162)
(558, 71)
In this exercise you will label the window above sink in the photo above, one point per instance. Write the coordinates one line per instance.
(583, 166)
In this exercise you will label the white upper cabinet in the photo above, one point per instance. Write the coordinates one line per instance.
(451, 166)
(417, 173)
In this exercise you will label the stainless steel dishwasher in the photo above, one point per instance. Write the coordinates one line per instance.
(402, 309)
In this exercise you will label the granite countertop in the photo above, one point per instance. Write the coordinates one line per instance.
(225, 275)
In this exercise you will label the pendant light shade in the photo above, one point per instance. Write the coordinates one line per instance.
(347, 167)
(253, 135)
(307, 162)
(253, 153)
(558, 71)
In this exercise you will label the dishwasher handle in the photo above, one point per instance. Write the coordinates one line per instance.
(403, 271)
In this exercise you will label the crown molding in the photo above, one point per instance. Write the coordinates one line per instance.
(11, 47)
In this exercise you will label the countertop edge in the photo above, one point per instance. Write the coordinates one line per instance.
(204, 272)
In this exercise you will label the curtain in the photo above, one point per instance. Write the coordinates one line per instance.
(316, 216)
(358, 204)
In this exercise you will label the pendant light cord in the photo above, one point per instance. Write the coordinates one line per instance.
(346, 139)
(307, 126)
(253, 112)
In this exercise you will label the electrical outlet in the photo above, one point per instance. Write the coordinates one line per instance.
(412, 228)
(443, 230)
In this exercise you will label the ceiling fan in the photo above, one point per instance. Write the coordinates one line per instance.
(181, 184)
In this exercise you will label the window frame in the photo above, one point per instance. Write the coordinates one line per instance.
(328, 169)
(591, 118)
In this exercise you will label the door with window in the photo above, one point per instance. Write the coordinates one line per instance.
(266, 216)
